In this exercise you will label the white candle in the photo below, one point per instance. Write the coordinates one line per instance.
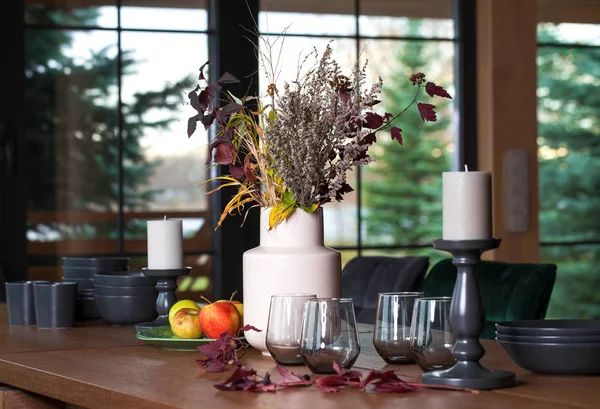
(165, 248)
(467, 205)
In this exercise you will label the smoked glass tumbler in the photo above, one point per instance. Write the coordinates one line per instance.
(285, 327)
(329, 334)
(391, 335)
(431, 339)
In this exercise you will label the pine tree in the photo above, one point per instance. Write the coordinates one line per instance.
(403, 187)
(569, 161)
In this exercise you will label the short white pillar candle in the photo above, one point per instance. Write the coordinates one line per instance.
(467, 205)
(165, 247)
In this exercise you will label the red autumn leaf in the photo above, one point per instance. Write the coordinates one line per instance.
(291, 379)
(229, 109)
(333, 383)
(433, 89)
(244, 379)
(250, 328)
(203, 100)
(227, 78)
(249, 174)
(393, 387)
(427, 112)
(348, 376)
(191, 128)
(345, 188)
(224, 154)
(386, 382)
(236, 171)
(396, 134)
(369, 139)
(375, 375)
(373, 120)
(201, 76)
(207, 120)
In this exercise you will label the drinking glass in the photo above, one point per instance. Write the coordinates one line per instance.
(431, 338)
(285, 327)
(391, 336)
(329, 334)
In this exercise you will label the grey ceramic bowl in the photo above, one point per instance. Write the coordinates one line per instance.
(120, 291)
(549, 327)
(83, 284)
(557, 339)
(125, 279)
(555, 359)
(105, 263)
(127, 310)
(84, 272)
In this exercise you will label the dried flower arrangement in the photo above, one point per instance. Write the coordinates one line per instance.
(292, 149)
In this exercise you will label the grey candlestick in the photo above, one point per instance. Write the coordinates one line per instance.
(166, 284)
(467, 319)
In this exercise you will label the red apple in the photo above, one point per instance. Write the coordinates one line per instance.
(219, 317)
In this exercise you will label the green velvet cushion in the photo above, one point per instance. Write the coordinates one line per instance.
(510, 291)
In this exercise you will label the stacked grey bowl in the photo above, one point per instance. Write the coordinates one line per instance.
(82, 270)
(126, 298)
(553, 347)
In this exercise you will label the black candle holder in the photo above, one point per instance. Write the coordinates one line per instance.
(166, 284)
(467, 319)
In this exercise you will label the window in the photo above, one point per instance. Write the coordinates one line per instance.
(395, 208)
(107, 145)
(569, 164)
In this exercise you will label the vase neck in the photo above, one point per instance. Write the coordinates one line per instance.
(301, 229)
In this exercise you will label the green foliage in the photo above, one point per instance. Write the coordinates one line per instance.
(569, 130)
(403, 187)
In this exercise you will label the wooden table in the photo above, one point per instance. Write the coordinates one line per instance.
(107, 367)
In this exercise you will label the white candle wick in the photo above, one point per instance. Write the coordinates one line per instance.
(466, 168)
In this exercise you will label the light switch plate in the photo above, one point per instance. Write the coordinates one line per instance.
(516, 172)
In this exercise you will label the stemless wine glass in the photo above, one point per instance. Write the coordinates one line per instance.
(329, 334)
(431, 338)
(391, 336)
(285, 327)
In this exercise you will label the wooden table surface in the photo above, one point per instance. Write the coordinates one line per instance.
(107, 367)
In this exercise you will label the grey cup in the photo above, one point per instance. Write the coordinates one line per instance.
(20, 302)
(55, 304)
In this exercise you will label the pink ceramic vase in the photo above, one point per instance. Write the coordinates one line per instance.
(291, 258)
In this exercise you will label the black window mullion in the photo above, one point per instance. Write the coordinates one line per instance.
(121, 173)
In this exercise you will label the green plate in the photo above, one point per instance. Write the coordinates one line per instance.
(163, 337)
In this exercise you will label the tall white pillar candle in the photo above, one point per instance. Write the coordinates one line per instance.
(467, 205)
(165, 248)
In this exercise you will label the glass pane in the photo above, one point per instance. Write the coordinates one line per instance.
(163, 168)
(401, 189)
(569, 165)
(190, 15)
(199, 282)
(397, 18)
(376, 26)
(575, 293)
(71, 127)
(569, 143)
(569, 33)
(67, 13)
(299, 18)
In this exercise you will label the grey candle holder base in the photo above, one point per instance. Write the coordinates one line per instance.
(166, 284)
(467, 319)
